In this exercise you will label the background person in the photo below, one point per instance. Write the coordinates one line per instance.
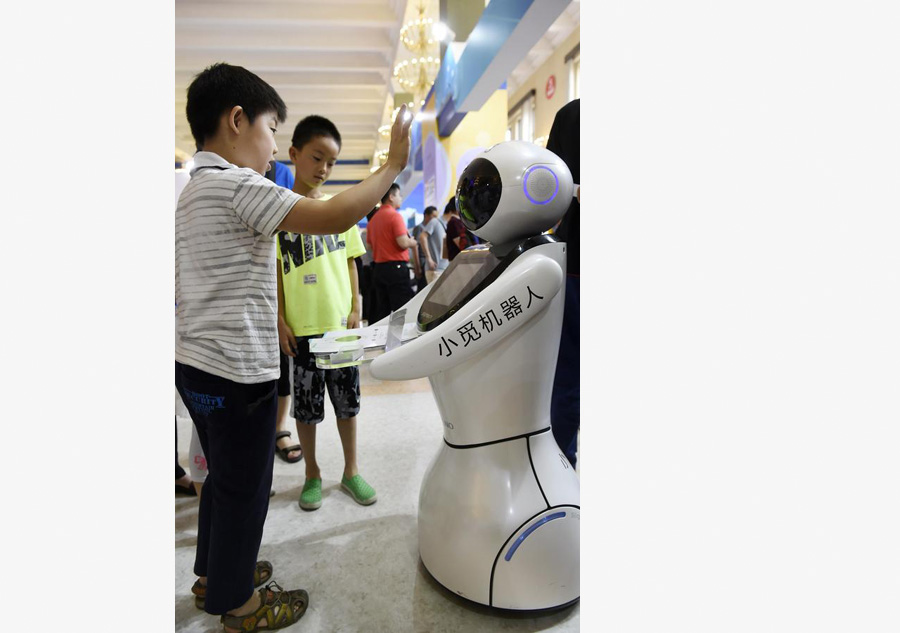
(390, 242)
(431, 242)
(457, 236)
(565, 407)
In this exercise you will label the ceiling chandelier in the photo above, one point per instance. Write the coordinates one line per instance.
(379, 159)
(416, 75)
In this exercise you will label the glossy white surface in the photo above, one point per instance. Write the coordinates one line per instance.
(477, 499)
(430, 353)
(516, 217)
(541, 572)
(475, 502)
(471, 501)
(554, 471)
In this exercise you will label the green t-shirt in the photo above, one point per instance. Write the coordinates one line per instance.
(313, 269)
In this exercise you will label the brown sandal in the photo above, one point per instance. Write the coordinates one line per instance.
(283, 452)
(279, 608)
(261, 574)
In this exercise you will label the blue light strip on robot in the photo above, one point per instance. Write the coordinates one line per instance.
(549, 517)
(525, 184)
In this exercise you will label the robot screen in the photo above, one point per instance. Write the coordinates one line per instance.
(457, 284)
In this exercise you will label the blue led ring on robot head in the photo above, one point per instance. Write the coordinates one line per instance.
(538, 185)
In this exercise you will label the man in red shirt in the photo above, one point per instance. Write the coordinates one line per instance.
(390, 243)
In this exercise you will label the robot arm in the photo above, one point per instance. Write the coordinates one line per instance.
(517, 296)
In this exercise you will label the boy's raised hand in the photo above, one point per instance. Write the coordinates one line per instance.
(398, 152)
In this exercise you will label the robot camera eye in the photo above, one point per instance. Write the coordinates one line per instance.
(478, 193)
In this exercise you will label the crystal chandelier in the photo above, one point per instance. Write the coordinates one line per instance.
(418, 73)
(379, 159)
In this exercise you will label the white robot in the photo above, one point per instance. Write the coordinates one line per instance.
(499, 513)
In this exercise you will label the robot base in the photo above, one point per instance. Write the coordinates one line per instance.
(499, 524)
(477, 605)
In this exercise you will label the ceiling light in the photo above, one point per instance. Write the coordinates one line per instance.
(418, 73)
(442, 32)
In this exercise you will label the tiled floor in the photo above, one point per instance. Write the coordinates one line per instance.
(359, 564)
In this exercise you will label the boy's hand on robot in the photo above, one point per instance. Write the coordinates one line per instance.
(398, 152)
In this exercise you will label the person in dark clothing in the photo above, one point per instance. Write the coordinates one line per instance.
(565, 409)
(366, 286)
(420, 281)
(457, 234)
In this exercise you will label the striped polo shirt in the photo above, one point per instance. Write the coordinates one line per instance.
(225, 284)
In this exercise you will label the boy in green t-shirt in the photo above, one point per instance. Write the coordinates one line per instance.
(318, 292)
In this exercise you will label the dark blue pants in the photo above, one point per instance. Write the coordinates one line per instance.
(236, 426)
(565, 406)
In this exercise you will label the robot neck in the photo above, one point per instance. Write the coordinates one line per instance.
(517, 247)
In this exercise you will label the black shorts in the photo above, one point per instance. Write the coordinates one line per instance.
(309, 385)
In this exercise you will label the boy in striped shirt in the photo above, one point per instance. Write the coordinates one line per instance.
(226, 355)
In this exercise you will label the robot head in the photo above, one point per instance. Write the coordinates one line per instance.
(513, 191)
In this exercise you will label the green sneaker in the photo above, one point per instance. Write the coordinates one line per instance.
(311, 497)
(358, 488)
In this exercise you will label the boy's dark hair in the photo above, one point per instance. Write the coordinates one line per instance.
(429, 211)
(393, 187)
(312, 127)
(221, 87)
